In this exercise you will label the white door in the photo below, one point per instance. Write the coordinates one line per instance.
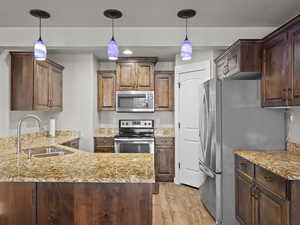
(188, 148)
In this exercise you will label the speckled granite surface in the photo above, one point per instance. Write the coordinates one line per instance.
(106, 132)
(111, 132)
(283, 163)
(293, 147)
(77, 167)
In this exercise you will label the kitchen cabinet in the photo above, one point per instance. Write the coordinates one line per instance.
(164, 159)
(242, 60)
(281, 72)
(104, 145)
(263, 197)
(275, 70)
(72, 144)
(106, 90)
(35, 85)
(164, 90)
(135, 74)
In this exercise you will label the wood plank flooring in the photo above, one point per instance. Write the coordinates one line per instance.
(179, 205)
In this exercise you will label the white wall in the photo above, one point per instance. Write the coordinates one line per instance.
(78, 91)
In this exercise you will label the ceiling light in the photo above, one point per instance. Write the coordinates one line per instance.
(40, 49)
(112, 47)
(186, 51)
(127, 52)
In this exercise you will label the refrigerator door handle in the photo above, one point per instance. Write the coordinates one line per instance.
(206, 170)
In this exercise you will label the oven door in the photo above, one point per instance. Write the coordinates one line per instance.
(135, 101)
(134, 145)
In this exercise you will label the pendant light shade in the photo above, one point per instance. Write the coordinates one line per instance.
(186, 50)
(113, 47)
(113, 50)
(40, 49)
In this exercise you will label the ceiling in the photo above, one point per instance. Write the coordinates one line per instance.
(151, 12)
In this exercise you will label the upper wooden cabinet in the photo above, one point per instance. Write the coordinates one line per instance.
(35, 85)
(164, 90)
(135, 74)
(106, 90)
(242, 60)
(281, 66)
(275, 71)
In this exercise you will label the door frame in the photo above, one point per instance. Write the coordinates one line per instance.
(178, 71)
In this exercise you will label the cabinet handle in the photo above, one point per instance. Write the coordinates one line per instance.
(290, 96)
(256, 193)
(252, 190)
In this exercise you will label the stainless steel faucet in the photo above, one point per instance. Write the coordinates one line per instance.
(29, 116)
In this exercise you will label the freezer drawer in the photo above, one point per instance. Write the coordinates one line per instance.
(211, 192)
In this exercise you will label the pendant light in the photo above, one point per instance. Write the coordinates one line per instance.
(113, 47)
(40, 49)
(186, 51)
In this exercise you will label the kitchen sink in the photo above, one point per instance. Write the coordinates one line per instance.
(46, 152)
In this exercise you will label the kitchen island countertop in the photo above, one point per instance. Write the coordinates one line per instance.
(80, 166)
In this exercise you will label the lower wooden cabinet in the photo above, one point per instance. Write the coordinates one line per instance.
(72, 144)
(243, 197)
(265, 198)
(164, 159)
(104, 145)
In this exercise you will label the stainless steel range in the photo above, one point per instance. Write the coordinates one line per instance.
(135, 136)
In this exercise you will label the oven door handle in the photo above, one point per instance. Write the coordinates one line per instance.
(132, 140)
(138, 142)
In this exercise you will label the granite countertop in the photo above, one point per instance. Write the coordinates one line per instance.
(77, 167)
(283, 163)
(111, 132)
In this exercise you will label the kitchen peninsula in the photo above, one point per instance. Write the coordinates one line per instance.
(78, 188)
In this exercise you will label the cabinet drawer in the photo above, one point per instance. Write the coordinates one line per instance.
(104, 149)
(164, 141)
(271, 181)
(244, 166)
(104, 141)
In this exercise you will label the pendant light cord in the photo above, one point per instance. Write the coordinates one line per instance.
(113, 29)
(186, 34)
(40, 29)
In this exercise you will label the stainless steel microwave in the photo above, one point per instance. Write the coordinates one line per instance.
(135, 101)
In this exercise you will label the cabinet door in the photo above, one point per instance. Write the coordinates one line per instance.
(56, 89)
(41, 85)
(275, 72)
(269, 209)
(294, 87)
(164, 92)
(106, 91)
(164, 163)
(145, 76)
(18, 203)
(126, 76)
(243, 200)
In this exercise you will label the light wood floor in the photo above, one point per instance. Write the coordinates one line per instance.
(179, 205)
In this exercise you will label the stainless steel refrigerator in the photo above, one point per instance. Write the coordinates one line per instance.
(231, 118)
